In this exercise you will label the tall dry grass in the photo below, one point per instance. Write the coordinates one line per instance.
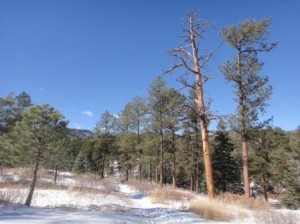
(211, 210)
(143, 186)
(276, 217)
(245, 202)
(162, 195)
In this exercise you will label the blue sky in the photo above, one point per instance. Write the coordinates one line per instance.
(87, 56)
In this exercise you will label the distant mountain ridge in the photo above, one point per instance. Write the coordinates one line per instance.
(82, 133)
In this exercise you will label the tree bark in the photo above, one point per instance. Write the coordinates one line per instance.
(127, 165)
(33, 182)
(262, 166)
(150, 171)
(244, 134)
(197, 186)
(174, 159)
(192, 182)
(245, 168)
(55, 174)
(161, 158)
(202, 115)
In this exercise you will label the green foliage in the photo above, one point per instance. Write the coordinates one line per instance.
(252, 89)
(40, 129)
(285, 166)
(226, 169)
(11, 108)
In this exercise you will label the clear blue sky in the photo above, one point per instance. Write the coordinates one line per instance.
(87, 56)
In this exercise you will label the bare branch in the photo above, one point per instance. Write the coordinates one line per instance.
(173, 68)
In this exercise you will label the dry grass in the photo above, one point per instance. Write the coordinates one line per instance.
(163, 195)
(12, 193)
(143, 187)
(249, 203)
(276, 217)
(211, 210)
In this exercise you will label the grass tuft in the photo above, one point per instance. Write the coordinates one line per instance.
(163, 195)
(211, 210)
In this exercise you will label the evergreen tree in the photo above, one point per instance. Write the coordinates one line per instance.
(226, 168)
(104, 141)
(285, 166)
(11, 108)
(157, 108)
(40, 128)
(138, 111)
(175, 103)
(252, 89)
(126, 140)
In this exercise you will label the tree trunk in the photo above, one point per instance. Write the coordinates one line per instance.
(207, 163)
(244, 134)
(192, 182)
(245, 168)
(150, 171)
(197, 186)
(202, 112)
(140, 165)
(102, 166)
(262, 166)
(55, 174)
(263, 181)
(161, 159)
(127, 165)
(140, 150)
(205, 138)
(174, 159)
(33, 182)
(2, 168)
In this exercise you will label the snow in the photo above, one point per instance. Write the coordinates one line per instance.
(122, 205)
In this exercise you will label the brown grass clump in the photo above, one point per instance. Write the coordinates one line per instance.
(211, 210)
(162, 195)
(250, 203)
(274, 217)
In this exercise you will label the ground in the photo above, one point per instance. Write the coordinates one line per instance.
(82, 201)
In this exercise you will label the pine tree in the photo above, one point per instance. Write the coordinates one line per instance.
(226, 168)
(285, 166)
(105, 139)
(252, 89)
(40, 128)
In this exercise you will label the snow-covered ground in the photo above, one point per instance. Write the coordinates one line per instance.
(122, 205)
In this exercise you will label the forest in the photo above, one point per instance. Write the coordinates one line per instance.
(164, 137)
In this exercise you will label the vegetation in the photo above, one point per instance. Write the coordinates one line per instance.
(164, 138)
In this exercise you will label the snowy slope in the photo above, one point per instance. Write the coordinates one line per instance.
(123, 204)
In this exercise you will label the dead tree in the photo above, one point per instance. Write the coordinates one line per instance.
(189, 58)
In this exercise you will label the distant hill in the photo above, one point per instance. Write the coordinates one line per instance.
(82, 133)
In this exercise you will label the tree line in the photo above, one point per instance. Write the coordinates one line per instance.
(164, 137)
